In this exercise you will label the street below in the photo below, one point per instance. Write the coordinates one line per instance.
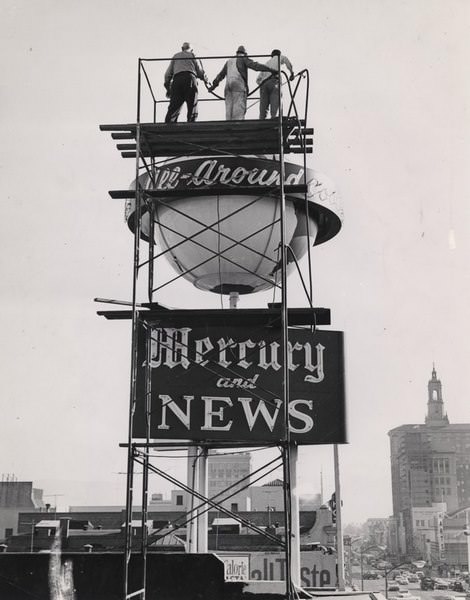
(378, 585)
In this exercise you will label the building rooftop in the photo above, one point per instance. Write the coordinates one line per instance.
(451, 427)
(274, 483)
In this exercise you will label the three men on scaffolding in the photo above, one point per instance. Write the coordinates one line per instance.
(184, 70)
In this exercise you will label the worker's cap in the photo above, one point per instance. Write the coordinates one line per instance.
(186, 46)
(241, 50)
(276, 52)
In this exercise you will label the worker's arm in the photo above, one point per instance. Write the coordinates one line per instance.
(219, 77)
(169, 74)
(256, 66)
(287, 62)
(200, 71)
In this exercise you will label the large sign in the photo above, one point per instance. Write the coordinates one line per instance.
(316, 568)
(183, 173)
(236, 567)
(198, 175)
(225, 383)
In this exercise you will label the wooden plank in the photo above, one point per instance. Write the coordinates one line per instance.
(257, 317)
(247, 125)
(123, 136)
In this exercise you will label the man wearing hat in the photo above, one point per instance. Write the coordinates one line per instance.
(181, 83)
(235, 71)
(269, 90)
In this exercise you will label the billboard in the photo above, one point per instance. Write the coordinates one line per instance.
(316, 568)
(226, 383)
(236, 567)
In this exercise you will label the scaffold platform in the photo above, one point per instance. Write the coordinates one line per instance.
(203, 138)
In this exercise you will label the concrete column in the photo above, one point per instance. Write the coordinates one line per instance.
(203, 516)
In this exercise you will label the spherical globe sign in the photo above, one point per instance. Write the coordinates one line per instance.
(221, 231)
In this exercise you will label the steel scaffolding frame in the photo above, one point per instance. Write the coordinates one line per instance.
(285, 134)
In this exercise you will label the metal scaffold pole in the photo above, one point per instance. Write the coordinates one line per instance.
(134, 338)
(287, 474)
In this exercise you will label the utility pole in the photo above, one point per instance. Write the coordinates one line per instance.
(339, 525)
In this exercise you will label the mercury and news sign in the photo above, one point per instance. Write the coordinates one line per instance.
(225, 383)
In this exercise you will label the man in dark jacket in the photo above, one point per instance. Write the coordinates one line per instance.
(235, 71)
(181, 83)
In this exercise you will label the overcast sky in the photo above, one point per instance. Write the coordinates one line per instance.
(389, 103)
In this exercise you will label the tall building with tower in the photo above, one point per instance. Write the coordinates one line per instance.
(430, 465)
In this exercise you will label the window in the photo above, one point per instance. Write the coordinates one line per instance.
(8, 531)
(179, 500)
(234, 507)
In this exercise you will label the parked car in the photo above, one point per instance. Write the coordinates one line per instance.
(371, 575)
(406, 595)
(393, 587)
(427, 584)
(413, 578)
(441, 584)
(402, 580)
(457, 586)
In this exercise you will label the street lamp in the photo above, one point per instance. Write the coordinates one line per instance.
(363, 551)
(388, 571)
(270, 509)
(349, 555)
(467, 534)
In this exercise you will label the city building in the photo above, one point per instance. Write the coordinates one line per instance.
(230, 469)
(428, 531)
(377, 531)
(430, 466)
(104, 530)
(15, 497)
(269, 496)
(457, 542)
(224, 470)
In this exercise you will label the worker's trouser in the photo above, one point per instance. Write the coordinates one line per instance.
(235, 100)
(183, 89)
(269, 97)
